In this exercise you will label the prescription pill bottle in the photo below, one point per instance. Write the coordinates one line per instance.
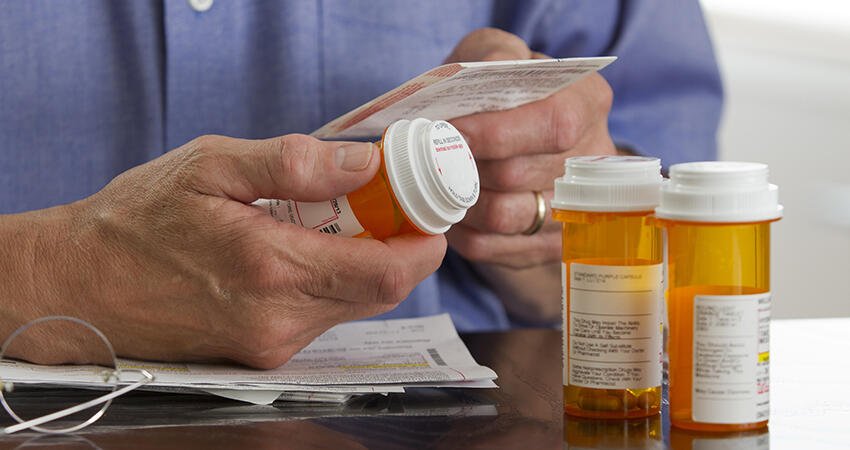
(427, 181)
(717, 216)
(612, 286)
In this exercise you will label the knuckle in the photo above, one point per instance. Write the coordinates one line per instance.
(294, 144)
(498, 139)
(200, 157)
(604, 93)
(293, 157)
(393, 284)
(207, 142)
(206, 150)
(475, 247)
(565, 125)
(498, 217)
(510, 175)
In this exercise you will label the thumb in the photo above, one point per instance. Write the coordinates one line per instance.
(489, 44)
(294, 166)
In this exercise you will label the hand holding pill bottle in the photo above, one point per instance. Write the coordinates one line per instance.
(612, 286)
(717, 216)
(427, 181)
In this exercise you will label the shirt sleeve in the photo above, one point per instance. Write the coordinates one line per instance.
(667, 89)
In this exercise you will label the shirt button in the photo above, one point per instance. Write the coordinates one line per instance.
(201, 5)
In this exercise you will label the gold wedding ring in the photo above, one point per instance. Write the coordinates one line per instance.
(540, 217)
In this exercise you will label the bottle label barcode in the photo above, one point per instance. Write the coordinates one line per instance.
(334, 216)
(436, 357)
(331, 229)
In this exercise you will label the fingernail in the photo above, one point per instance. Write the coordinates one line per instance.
(354, 156)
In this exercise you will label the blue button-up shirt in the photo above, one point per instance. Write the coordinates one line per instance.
(91, 88)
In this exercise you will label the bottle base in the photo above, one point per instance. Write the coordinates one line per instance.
(613, 415)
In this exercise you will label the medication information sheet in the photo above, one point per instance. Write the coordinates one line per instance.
(458, 89)
(352, 357)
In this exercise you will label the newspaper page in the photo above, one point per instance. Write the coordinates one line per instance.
(458, 89)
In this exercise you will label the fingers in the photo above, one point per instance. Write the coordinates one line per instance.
(508, 213)
(555, 124)
(289, 167)
(522, 150)
(489, 44)
(516, 251)
(364, 271)
(521, 173)
(295, 283)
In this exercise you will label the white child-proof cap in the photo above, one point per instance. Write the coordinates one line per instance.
(431, 171)
(719, 191)
(609, 184)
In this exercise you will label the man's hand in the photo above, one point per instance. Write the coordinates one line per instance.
(519, 151)
(171, 262)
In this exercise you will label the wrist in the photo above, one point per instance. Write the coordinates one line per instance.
(20, 236)
(37, 257)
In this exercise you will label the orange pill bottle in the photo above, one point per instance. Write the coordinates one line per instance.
(717, 216)
(427, 181)
(612, 286)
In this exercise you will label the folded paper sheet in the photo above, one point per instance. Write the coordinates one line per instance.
(349, 359)
(458, 89)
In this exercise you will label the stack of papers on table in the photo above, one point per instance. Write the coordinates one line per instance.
(350, 359)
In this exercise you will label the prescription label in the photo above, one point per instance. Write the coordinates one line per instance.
(731, 358)
(331, 217)
(614, 326)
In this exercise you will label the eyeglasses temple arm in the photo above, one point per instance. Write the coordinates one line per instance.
(82, 406)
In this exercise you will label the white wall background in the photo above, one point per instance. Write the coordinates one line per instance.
(786, 68)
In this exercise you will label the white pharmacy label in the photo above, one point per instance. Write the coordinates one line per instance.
(331, 217)
(614, 326)
(731, 358)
